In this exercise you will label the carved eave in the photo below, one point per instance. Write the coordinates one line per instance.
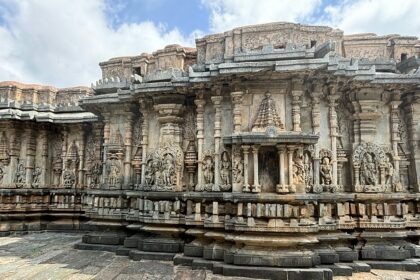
(271, 139)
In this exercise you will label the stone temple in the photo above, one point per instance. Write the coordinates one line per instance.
(287, 147)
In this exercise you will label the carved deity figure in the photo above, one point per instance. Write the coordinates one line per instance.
(168, 172)
(298, 170)
(225, 169)
(20, 175)
(208, 170)
(368, 170)
(149, 174)
(238, 170)
(307, 166)
(389, 172)
(69, 179)
(36, 177)
(325, 171)
(114, 170)
(95, 172)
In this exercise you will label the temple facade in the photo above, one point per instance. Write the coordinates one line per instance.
(278, 145)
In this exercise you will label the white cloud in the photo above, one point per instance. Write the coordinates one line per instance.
(227, 14)
(352, 16)
(377, 16)
(62, 42)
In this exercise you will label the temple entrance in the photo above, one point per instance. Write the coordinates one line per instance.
(268, 163)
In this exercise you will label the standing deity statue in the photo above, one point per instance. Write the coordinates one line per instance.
(238, 170)
(20, 175)
(36, 175)
(225, 169)
(298, 170)
(168, 170)
(325, 171)
(368, 170)
(208, 170)
(307, 167)
(113, 170)
(389, 172)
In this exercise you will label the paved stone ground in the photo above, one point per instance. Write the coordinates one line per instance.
(51, 256)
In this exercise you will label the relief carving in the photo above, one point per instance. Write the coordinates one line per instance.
(208, 170)
(20, 178)
(267, 116)
(238, 167)
(113, 170)
(4, 149)
(36, 177)
(225, 181)
(164, 168)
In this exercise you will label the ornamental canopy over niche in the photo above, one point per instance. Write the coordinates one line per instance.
(267, 116)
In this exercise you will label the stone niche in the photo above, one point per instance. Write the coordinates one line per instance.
(278, 145)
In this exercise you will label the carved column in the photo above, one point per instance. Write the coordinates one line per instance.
(145, 133)
(333, 135)
(200, 102)
(217, 100)
(237, 117)
(30, 155)
(43, 138)
(245, 149)
(256, 187)
(128, 143)
(316, 121)
(297, 92)
(281, 149)
(14, 150)
(80, 181)
(290, 151)
(395, 137)
(107, 131)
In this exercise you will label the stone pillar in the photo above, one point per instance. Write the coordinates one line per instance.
(14, 151)
(316, 121)
(237, 117)
(256, 187)
(297, 92)
(200, 102)
(333, 134)
(282, 183)
(144, 137)
(43, 139)
(395, 137)
(80, 181)
(217, 100)
(30, 155)
(128, 143)
(245, 149)
(107, 131)
(290, 151)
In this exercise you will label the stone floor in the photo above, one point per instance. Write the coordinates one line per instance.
(51, 256)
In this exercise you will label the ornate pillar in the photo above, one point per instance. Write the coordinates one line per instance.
(245, 149)
(256, 187)
(282, 184)
(217, 100)
(395, 137)
(144, 137)
(128, 143)
(200, 102)
(316, 121)
(107, 131)
(14, 151)
(297, 92)
(30, 155)
(237, 117)
(333, 135)
(80, 181)
(290, 151)
(43, 138)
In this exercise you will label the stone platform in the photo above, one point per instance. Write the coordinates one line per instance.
(50, 255)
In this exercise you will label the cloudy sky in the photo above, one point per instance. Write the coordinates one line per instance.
(61, 42)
